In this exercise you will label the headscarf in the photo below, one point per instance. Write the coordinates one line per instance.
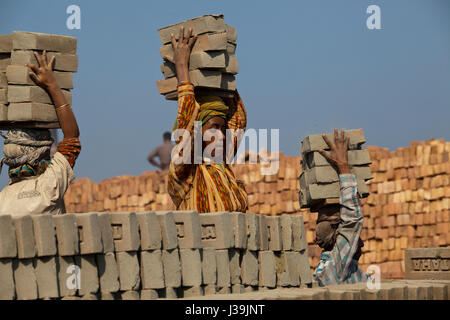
(27, 151)
(211, 106)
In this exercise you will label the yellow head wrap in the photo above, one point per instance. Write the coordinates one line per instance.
(211, 106)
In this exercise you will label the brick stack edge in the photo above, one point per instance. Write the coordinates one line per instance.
(149, 255)
(408, 206)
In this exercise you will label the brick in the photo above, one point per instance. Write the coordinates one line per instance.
(108, 272)
(199, 25)
(263, 232)
(209, 289)
(63, 61)
(286, 232)
(231, 48)
(5, 43)
(67, 234)
(231, 33)
(89, 233)
(209, 266)
(5, 61)
(32, 111)
(44, 235)
(4, 96)
(172, 268)
(298, 232)
(128, 266)
(228, 82)
(25, 279)
(149, 294)
(232, 65)
(286, 268)
(3, 80)
(168, 229)
(104, 220)
(191, 267)
(190, 292)
(46, 277)
(66, 273)
(274, 233)
(315, 142)
(427, 263)
(188, 229)
(7, 290)
(253, 232)
(239, 229)
(223, 269)
(237, 288)
(20, 75)
(199, 60)
(23, 226)
(130, 295)
(355, 157)
(249, 268)
(199, 78)
(152, 271)
(267, 272)
(89, 282)
(205, 42)
(235, 268)
(317, 192)
(125, 228)
(41, 41)
(8, 242)
(19, 94)
(150, 230)
(304, 268)
(327, 174)
(217, 230)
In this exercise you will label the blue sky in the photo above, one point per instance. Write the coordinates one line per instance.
(305, 67)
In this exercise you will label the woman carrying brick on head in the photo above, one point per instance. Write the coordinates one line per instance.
(340, 238)
(209, 186)
(38, 182)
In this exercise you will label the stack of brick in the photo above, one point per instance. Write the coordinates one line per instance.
(5, 61)
(149, 255)
(319, 181)
(28, 104)
(408, 205)
(212, 64)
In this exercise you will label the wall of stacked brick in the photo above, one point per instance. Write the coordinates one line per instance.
(408, 205)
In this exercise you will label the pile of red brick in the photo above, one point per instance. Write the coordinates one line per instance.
(408, 205)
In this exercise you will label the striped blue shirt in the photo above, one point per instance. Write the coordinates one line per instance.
(338, 266)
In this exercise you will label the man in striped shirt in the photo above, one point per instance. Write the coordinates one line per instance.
(340, 239)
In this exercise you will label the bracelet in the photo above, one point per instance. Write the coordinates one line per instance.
(64, 105)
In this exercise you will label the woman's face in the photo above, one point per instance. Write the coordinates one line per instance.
(217, 126)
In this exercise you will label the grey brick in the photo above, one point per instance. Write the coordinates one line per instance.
(209, 289)
(20, 75)
(328, 174)
(3, 112)
(223, 290)
(89, 282)
(4, 96)
(231, 48)
(199, 25)
(235, 267)
(298, 233)
(7, 290)
(232, 66)
(168, 229)
(5, 61)
(109, 296)
(194, 291)
(217, 230)
(108, 272)
(104, 219)
(125, 228)
(231, 33)
(67, 234)
(5, 43)
(42, 41)
(152, 271)
(170, 293)
(89, 233)
(130, 295)
(191, 267)
(8, 242)
(63, 61)
(129, 273)
(253, 232)
(21, 93)
(25, 279)
(209, 266)
(274, 233)
(46, 276)
(237, 288)
(44, 235)
(150, 230)
(286, 232)
(304, 268)
(315, 142)
(172, 268)
(427, 263)
(188, 229)
(3, 80)
(90, 296)
(240, 229)
(249, 268)
(287, 268)
(66, 273)
(228, 82)
(32, 111)
(317, 192)
(199, 78)
(149, 294)
(25, 236)
(223, 269)
(267, 271)
(264, 243)
(355, 157)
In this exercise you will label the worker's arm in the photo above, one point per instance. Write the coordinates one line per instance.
(151, 157)
(349, 229)
(238, 120)
(43, 75)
